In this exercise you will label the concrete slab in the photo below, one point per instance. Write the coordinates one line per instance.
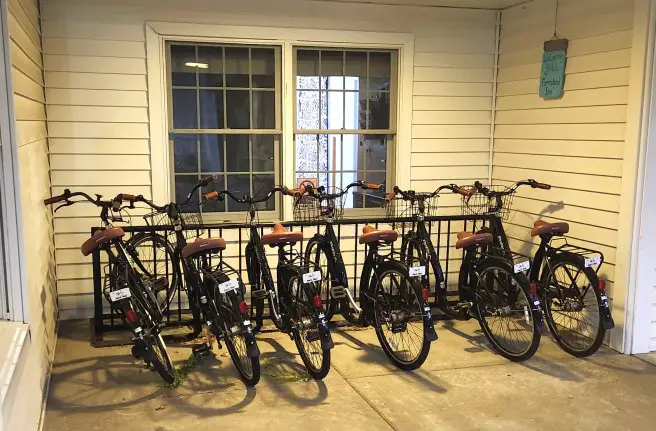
(463, 385)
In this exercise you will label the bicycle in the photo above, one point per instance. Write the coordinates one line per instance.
(130, 292)
(324, 250)
(215, 290)
(295, 307)
(489, 287)
(572, 294)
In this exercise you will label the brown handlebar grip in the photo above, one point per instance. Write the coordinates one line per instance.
(390, 196)
(210, 195)
(372, 186)
(543, 186)
(463, 192)
(54, 200)
(128, 197)
(295, 192)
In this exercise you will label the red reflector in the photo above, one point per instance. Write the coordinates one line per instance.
(243, 307)
(602, 285)
(130, 316)
(425, 293)
(534, 288)
(317, 301)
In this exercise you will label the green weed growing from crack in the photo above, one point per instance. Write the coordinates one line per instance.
(268, 369)
(183, 370)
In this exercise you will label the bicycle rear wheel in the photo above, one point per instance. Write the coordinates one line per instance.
(398, 316)
(504, 312)
(308, 335)
(572, 301)
(315, 255)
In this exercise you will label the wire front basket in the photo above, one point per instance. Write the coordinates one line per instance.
(310, 208)
(187, 218)
(401, 208)
(479, 204)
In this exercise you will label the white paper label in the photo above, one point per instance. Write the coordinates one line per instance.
(416, 271)
(117, 295)
(229, 285)
(592, 261)
(522, 266)
(311, 277)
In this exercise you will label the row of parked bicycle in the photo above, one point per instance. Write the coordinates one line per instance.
(510, 295)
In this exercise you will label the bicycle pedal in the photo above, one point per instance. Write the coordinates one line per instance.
(160, 284)
(259, 294)
(313, 335)
(201, 350)
(338, 292)
(399, 327)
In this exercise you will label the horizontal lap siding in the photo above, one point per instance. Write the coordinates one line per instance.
(575, 143)
(96, 93)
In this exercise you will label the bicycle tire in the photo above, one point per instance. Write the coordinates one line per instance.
(547, 276)
(304, 315)
(158, 356)
(528, 312)
(313, 254)
(175, 278)
(414, 291)
(247, 366)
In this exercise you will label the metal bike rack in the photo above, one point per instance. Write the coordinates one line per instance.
(106, 319)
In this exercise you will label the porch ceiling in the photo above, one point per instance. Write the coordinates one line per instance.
(479, 4)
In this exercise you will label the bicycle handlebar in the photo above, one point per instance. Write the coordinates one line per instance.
(512, 189)
(315, 191)
(248, 199)
(412, 195)
(64, 197)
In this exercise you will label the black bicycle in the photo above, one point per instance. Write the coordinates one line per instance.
(490, 288)
(572, 294)
(129, 292)
(295, 307)
(323, 250)
(215, 290)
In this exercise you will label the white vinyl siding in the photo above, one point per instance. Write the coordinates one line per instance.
(575, 143)
(95, 72)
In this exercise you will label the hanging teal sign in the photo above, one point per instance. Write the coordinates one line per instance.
(554, 61)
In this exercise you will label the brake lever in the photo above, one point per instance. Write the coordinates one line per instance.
(67, 204)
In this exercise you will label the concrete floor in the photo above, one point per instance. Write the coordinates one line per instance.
(462, 386)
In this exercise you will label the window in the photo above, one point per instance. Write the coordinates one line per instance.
(224, 118)
(345, 119)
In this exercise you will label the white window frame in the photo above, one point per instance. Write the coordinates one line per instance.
(158, 33)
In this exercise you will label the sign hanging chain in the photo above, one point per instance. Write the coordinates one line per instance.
(555, 35)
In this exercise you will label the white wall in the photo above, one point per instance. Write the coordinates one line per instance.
(580, 144)
(34, 170)
(95, 70)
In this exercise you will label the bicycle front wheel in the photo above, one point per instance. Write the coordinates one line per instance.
(507, 317)
(398, 316)
(157, 355)
(572, 301)
(308, 335)
(316, 256)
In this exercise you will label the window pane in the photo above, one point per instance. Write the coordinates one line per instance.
(183, 75)
(238, 109)
(185, 153)
(263, 153)
(375, 148)
(183, 185)
(236, 66)
(239, 185)
(306, 152)
(379, 70)
(215, 205)
(262, 68)
(237, 153)
(307, 110)
(334, 109)
(379, 110)
(184, 109)
(212, 75)
(307, 69)
(264, 110)
(262, 184)
(332, 66)
(211, 109)
(211, 153)
(355, 70)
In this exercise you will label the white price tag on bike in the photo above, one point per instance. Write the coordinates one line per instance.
(117, 295)
(416, 271)
(311, 277)
(592, 261)
(229, 285)
(522, 266)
